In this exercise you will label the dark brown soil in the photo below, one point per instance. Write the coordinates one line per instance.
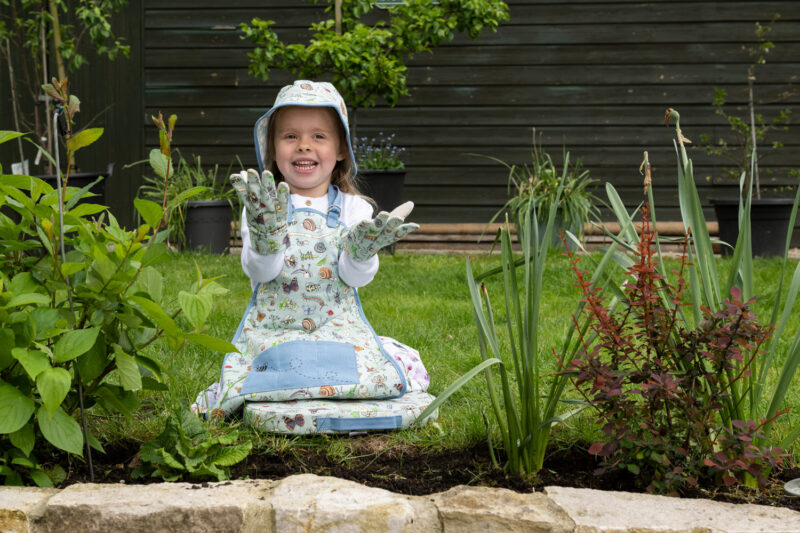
(374, 462)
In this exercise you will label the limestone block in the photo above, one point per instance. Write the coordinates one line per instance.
(235, 506)
(465, 509)
(307, 503)
(20, 507)
(597, 511)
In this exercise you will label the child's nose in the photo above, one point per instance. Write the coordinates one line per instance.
(304, 144)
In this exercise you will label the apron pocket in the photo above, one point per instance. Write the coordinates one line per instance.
(302, 364)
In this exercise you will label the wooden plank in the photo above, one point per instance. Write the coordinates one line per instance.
(465, 230)
(691, 32)
(647, 13)
(619, 95)
(221, 37)
(202, 17)
(496, 196)
(503, 55)
(304, 14)
(612, 33)
(589, 75)
(439, 213)
(545, 118)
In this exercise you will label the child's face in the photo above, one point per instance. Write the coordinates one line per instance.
(307, 148)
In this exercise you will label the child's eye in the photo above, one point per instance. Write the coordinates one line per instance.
(319, 136)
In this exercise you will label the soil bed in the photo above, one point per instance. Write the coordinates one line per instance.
(373, 462)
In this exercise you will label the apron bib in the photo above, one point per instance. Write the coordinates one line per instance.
(304, 334)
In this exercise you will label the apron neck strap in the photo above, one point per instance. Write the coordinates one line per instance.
(334, 206)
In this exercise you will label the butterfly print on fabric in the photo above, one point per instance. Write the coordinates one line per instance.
(288, 288)
(298, 421)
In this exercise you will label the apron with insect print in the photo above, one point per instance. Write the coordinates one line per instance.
(304, 334)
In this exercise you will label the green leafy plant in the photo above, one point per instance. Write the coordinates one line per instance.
(537, 184)
(526, 407)
(186, 183)
(367, 62)
(659, 386)
(80, 303)
(32, 36)
(187, 448)
(378, 153)
(751, 129)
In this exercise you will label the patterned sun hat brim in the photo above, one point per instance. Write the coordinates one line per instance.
(303, 93)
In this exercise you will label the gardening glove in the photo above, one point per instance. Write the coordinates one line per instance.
(363, 240)
(266, 209)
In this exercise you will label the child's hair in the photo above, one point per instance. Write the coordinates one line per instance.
(342, 172)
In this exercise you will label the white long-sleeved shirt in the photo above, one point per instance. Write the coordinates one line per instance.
(262, 268)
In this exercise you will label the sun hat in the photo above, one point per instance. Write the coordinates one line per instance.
(303, 93)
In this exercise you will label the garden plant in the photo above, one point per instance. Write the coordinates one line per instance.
(659, 387)
(187, 182)
(751, 129)
(379, 152)
(751, 393)
(365, 54)
(538, 186)
(529, 406)
(81, 302)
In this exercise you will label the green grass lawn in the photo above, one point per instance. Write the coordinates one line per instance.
(422, 301)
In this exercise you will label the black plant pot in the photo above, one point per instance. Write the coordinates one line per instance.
(82, 179)
(208, 226)
(383, 186)
(769, 224)
(386, 188)
(77, 179)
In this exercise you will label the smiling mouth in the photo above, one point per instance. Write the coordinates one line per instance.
(304, 166)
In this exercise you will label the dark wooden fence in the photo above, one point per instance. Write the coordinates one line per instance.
(594, 77)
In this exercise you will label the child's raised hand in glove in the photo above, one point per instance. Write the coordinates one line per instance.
(266, 209)
(363, 240)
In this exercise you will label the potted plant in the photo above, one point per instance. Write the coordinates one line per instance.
(769, 215)
(537, 185)
(196, 206)
(199, 205)
(35, 46)
(367, 62)
(381, 172)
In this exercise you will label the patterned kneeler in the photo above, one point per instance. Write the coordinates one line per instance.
(304, 417)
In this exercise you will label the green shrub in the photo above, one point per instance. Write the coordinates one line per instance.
(186, 447)
(80, 302)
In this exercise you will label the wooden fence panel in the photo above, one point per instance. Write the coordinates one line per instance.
(594, 76)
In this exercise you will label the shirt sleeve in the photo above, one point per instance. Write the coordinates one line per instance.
(356, 273)
(259, 268)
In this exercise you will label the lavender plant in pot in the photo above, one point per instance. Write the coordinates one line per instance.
(381, 172)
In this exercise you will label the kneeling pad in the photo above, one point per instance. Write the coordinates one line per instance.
(304, 417)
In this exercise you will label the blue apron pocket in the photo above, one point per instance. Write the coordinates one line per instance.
(302, 364)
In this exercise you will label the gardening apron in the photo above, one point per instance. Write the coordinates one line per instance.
(314, 341)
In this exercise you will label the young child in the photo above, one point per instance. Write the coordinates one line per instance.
(307, 244)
